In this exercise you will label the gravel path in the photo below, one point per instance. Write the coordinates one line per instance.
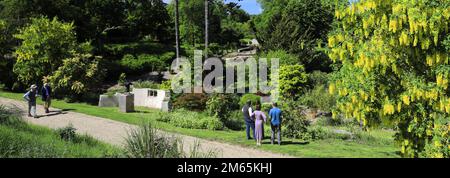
(114, 132)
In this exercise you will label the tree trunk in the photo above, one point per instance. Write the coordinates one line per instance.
(177, 30)
(206, 28)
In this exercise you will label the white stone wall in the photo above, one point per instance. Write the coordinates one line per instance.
(151, 98)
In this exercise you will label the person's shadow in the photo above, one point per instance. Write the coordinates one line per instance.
(285, 142)
(55, 113)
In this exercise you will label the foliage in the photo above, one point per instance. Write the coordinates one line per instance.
(144, 62)
(191, 120)
(45, 43)
(191, 101)
(317, 78)
(166, 85)
(284, 57)
(220, 105)
(147, 142)
(67, 133)
(145, 84)
(99, 20)
(78, 74)
(115, 89)
(235, 121)
(227, 21)
(318, 98)
(439, 145)
(292, 80)
(297, 27)
(6, 63)
(249, 97)
(122, 79)
(395, 67)
(294, 122)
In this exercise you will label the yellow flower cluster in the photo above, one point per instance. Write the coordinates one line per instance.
(404, 39)
(388, 109)
(393, 25)
(442, 81)
(331, 88)
(405, 100)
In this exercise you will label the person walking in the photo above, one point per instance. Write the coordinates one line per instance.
(260, 119)
(30, 96)
(275, 123)
(249, 122)
(46, 96)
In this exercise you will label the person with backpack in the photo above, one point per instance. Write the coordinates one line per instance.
(30, 96)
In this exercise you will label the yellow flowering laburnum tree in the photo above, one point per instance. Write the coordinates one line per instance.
(395, 69)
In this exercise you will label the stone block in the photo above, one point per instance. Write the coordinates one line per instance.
(126, 102)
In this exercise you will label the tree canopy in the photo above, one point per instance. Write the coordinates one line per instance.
(395, 69)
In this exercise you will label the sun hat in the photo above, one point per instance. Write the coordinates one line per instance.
(33, 87)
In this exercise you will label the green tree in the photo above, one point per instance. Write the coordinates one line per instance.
(6, 60)
(78, 74)
(292, 80)
(148, 17)
(297, 27)
(395, 70)
(44, 45)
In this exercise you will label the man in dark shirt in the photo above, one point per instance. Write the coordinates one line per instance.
(249, 122)
(46, 96)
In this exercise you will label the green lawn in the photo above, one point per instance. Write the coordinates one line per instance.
(19, 139)
(321, 148)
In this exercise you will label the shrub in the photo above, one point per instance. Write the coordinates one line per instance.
(67, 133)
(191, 101)
(191, 120)
(113, 90)
(122, 79)
(235, 121)
(292, 80)
(317, 78)
(220, 105)
(166, 85)
(294, 122)
(249, 97)
(318, 132)
(85, 71)
(318, 98)
(284, 57)
(145, 84)
(147, 142)
(438, 146)
(145, 62)
(266, 107)
(44, 43)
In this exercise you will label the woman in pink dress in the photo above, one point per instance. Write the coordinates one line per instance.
(260, 119)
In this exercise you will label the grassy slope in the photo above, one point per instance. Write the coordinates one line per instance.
(30, 141)
(321, 148)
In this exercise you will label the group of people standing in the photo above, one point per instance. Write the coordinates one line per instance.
(255, 119)
(32, 94)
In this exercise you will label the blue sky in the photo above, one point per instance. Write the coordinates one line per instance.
(251, 6)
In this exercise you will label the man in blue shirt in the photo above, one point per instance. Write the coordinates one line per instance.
(275, 116)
